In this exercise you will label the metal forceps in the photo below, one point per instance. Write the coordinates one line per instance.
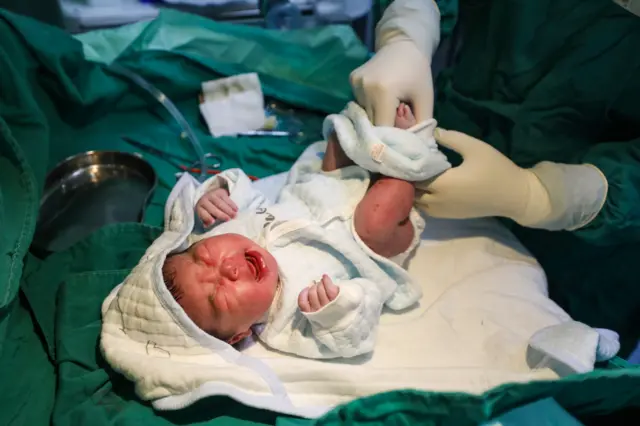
(211, 168)
(181, 162)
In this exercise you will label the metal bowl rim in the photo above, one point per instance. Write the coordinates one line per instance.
(52, 177)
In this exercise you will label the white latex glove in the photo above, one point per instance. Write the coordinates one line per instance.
(406, 39)
(549, 196)
(398, 73)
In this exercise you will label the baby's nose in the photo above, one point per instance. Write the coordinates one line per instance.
(229, 269)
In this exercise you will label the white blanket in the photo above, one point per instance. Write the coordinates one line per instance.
(484, 299)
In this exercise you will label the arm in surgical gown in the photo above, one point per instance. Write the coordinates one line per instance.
(564, 89)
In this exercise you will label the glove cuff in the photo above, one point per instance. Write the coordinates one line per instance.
(576, 194)
(417, 21)
(537, 203)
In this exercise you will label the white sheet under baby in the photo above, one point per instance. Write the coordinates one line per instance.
(468, 333)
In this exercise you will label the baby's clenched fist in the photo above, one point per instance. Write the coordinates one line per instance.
(318, 295)
(216, 205)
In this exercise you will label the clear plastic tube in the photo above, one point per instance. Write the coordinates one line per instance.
(187, 131)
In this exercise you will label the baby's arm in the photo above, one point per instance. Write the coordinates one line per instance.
(345, 326)
(226, 194)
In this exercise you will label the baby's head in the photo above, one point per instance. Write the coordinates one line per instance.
(225, 284)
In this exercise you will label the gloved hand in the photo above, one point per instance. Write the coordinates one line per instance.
(550, 195)
(399, 72)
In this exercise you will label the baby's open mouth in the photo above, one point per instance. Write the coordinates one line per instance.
(256, 263)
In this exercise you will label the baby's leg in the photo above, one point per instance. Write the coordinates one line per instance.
(334, 156)
(382, 217)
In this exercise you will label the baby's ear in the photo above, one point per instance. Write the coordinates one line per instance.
(239, 336)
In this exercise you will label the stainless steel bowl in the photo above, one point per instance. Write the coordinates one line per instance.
(88, 191)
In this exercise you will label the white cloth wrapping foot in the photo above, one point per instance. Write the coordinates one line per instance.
(484, 298)
(410, 154)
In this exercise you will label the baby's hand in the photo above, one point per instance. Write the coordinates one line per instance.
(318, 295)
(216, 205)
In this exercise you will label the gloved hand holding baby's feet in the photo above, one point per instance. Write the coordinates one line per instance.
(216, 205)
(318, 295)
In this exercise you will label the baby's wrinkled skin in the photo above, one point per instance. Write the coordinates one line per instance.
(227, 283)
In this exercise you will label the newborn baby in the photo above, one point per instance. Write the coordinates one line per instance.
(332, 243)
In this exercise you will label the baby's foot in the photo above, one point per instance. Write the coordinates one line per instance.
(404, 117)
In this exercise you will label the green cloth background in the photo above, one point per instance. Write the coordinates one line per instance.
(54, 103)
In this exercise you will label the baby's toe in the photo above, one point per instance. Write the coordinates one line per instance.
(402, 110)
(408, 114)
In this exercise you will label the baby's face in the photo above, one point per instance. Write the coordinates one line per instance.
(225, 283)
